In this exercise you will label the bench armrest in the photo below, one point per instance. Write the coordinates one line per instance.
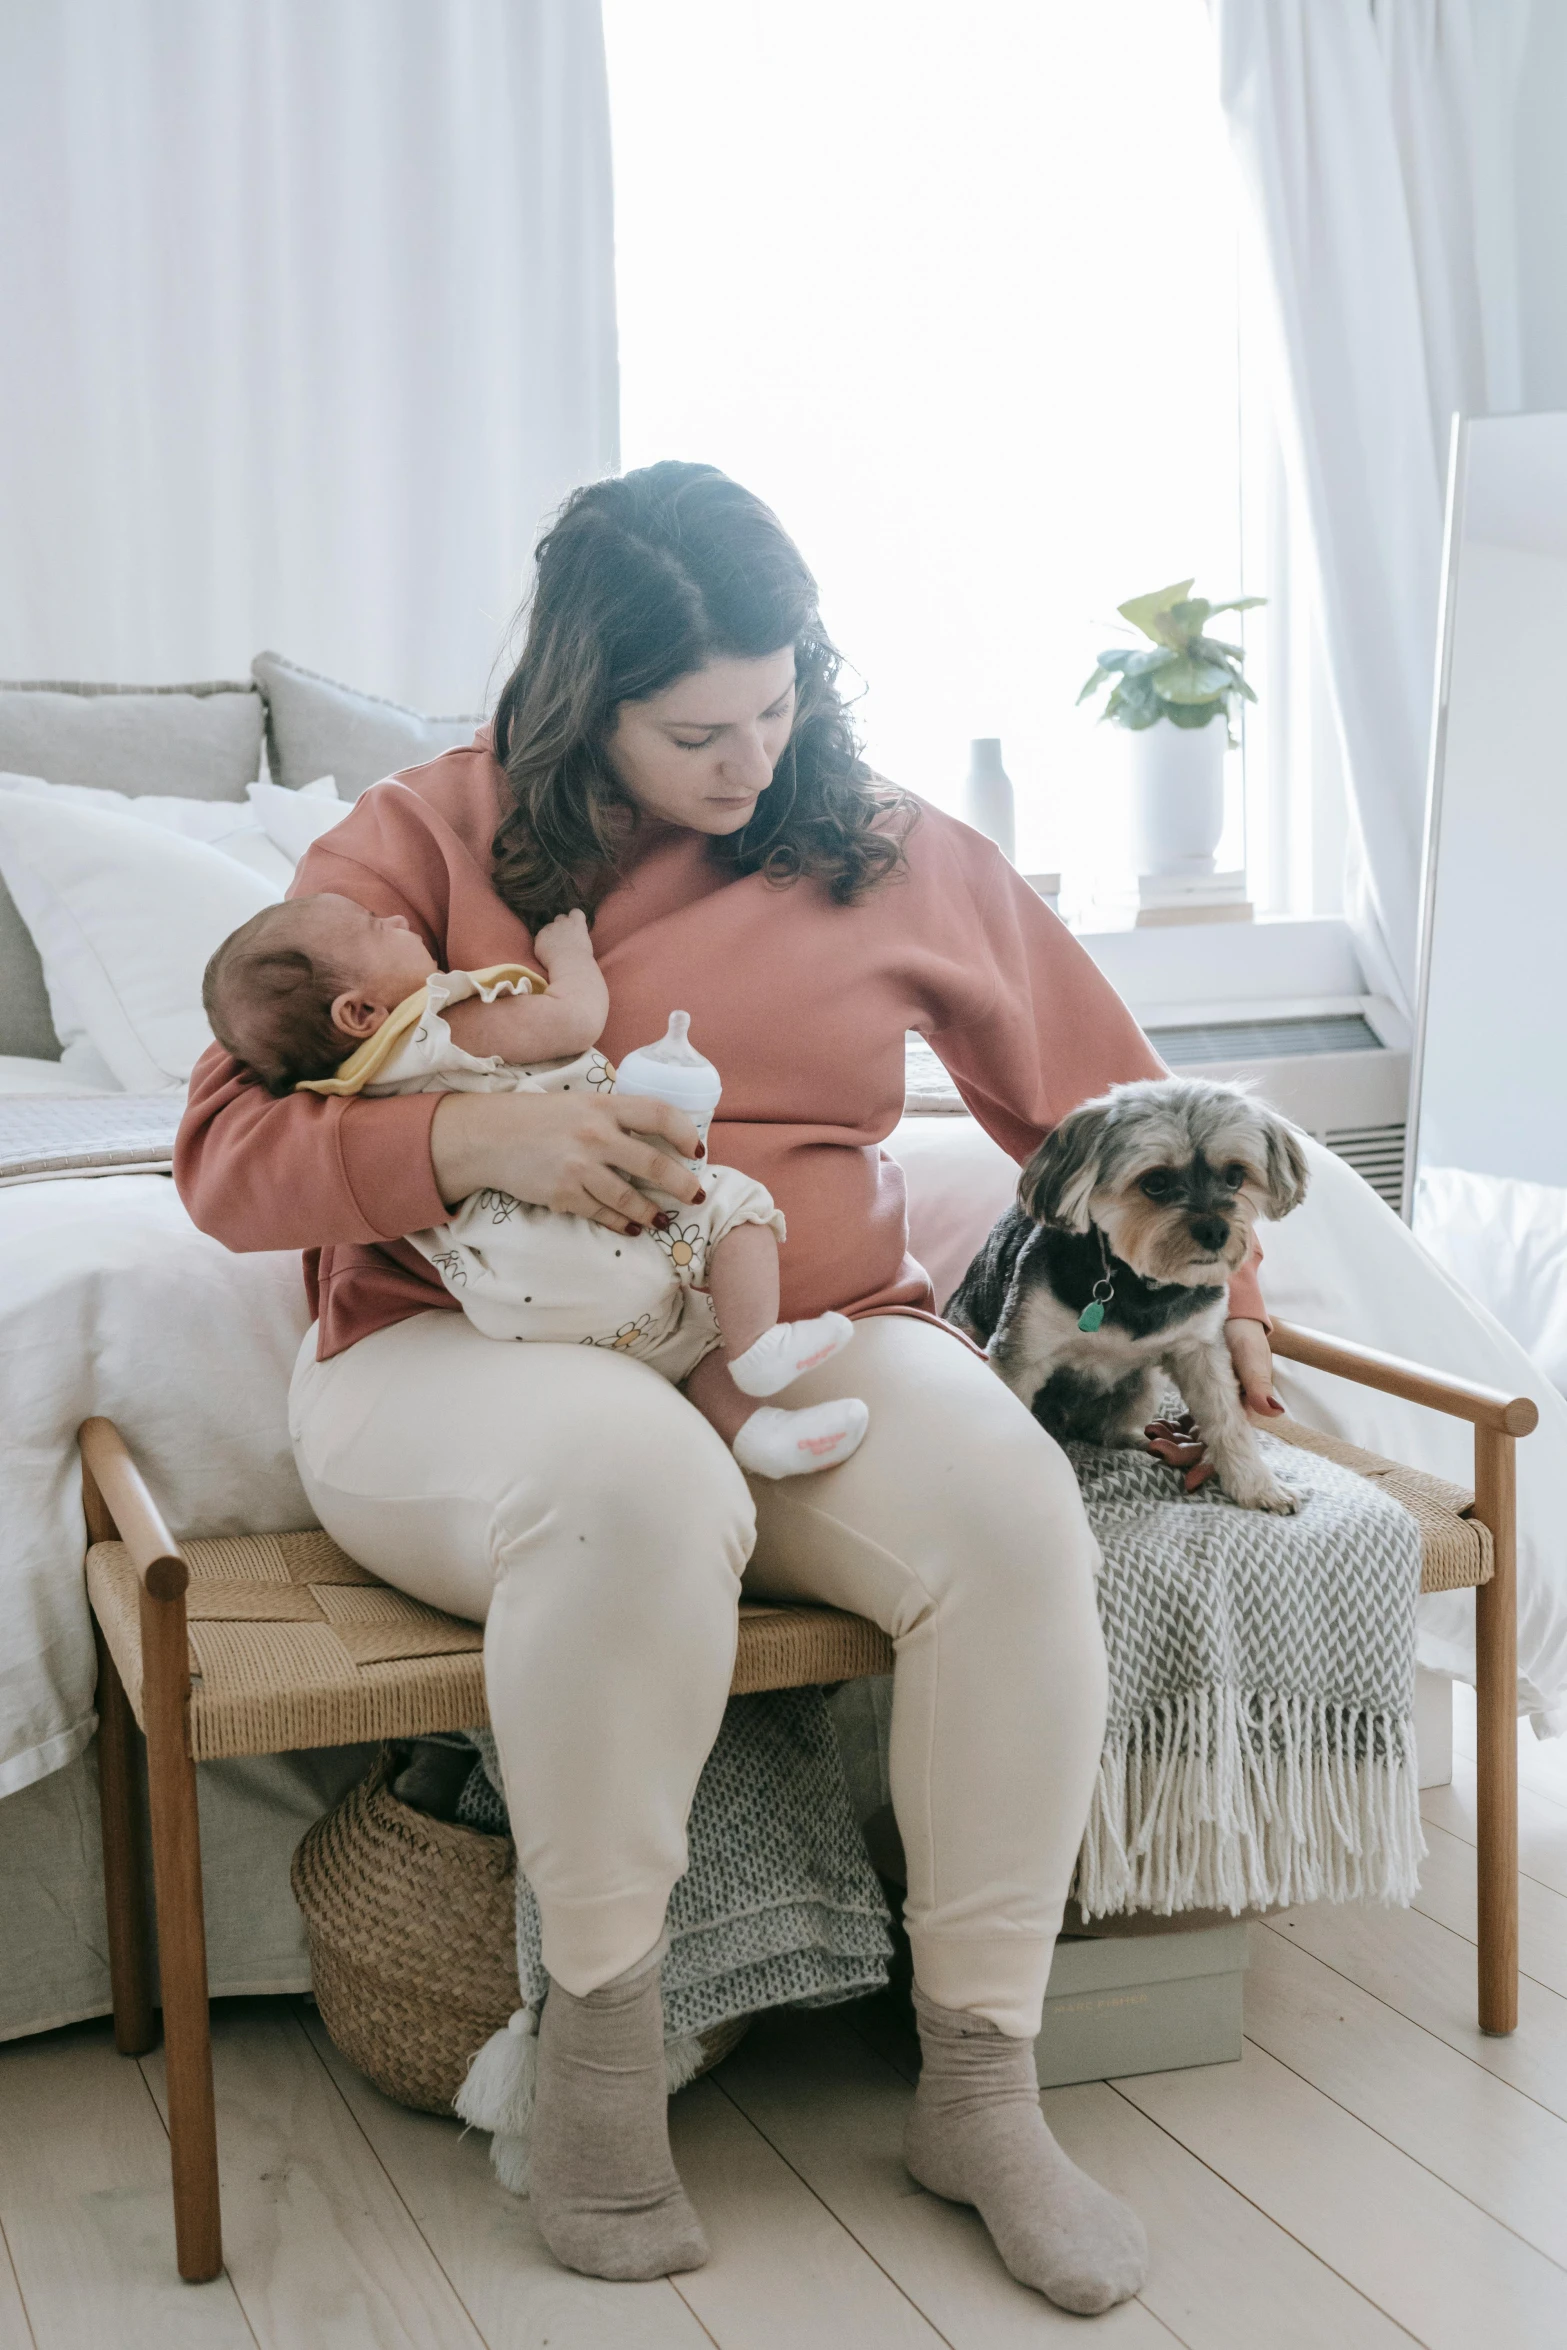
(126, 1511)
(1461, 1399)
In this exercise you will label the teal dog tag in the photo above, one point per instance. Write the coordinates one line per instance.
(1092, 1315)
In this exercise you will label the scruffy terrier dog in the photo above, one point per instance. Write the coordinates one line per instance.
(1107, 1280)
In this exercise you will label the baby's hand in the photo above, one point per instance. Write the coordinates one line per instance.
(565, 943)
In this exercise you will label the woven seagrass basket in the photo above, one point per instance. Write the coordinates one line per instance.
(412, 1929)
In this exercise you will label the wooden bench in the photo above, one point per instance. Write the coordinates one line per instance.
(259, 1644)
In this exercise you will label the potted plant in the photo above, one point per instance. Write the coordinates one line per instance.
(1176, 701)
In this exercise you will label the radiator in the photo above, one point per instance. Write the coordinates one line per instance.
(1337, 1066)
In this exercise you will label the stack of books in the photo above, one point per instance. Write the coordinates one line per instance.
(1191, 897)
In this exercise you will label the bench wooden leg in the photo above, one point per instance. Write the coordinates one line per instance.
(182, 1941)
(119, 1804)
(1496, 1706)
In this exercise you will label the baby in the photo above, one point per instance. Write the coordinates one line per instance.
(319, 995)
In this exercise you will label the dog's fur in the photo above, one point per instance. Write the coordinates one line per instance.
(1173, 1173)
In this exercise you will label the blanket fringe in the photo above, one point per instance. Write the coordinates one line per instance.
(498, 2091)
(1232, 1799)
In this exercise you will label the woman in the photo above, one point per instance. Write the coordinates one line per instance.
(671, 754)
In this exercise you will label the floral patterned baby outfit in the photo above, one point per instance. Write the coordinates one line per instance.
(522, 1272)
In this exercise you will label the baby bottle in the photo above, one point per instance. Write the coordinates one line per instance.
(673, 1071)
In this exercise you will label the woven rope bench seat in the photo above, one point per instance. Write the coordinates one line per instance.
(1456, 1551)
(292, 1644)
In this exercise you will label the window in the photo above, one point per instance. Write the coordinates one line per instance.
(955, 291)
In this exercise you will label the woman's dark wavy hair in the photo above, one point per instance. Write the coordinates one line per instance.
(642, 580)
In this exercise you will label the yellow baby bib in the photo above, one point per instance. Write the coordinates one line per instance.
(366, 1062)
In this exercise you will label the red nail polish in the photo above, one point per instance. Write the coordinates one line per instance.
(662, 1222)
(701, 1150)
(700, 1197)
(633, 1232)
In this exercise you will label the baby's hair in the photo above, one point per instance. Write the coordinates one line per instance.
(269, 1001)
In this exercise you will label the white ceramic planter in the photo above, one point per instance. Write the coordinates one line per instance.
(1177, 795)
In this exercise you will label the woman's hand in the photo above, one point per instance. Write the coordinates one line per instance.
(1253, 1360)
(569, 1151)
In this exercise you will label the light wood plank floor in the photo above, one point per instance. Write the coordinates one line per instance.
(1373, 2173)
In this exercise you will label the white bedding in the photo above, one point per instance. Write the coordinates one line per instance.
(111, 1301)
(1506, 1241)
(18, 1075)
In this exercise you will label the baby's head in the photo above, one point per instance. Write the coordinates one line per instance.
(300, 985)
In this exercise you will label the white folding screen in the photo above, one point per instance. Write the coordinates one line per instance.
(307, 311)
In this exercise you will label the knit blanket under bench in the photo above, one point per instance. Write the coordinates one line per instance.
(1259, 1752)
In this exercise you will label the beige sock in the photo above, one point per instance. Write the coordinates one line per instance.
(603, 2184)
(977, 2136)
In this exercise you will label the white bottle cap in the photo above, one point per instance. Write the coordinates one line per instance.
(672, 1071)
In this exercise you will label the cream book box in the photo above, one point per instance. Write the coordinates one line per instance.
(1142, 2003)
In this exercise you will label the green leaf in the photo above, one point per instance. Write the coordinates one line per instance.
(1132, 704)
(1193, 714)
(1237, 604)
(1149, 612)
(1144, 664)
(1193, 681)
(1190, 617)
(1214, 648)
(1094, 683)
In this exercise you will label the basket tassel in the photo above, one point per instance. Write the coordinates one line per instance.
(497, 2094)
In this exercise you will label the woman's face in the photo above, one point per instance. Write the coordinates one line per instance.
(701, 753)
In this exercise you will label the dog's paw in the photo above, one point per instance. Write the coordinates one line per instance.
(1263, 1493)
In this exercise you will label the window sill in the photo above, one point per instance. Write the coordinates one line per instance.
(1165, 971)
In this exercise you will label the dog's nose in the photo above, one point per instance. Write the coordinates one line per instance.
(1210, 1232)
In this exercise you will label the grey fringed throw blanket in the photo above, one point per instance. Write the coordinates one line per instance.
(1259, 1752)
(1260, 1746)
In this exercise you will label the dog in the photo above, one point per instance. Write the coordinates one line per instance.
(1107, 1279)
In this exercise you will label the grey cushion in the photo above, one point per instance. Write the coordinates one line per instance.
(315, 727)
(26, 1024)
(199, 742)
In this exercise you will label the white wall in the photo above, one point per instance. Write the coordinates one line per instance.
(1538, 155)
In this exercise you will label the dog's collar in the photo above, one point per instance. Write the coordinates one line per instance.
(1092, 1316)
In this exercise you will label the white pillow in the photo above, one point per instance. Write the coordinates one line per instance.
(230, 825)
(295, 820)
(124, 915)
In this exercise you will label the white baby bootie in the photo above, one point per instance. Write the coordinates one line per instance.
(787, 1351)
(775, 1443)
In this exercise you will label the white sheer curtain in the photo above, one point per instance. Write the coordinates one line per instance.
(308, 315)
(1375, 138)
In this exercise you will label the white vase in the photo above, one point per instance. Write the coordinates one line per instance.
(987, 796)
(1177, 795)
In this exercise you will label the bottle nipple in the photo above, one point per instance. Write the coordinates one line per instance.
(673, 1071)
(675, 1045)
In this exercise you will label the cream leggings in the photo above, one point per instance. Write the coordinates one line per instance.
(574, 1503)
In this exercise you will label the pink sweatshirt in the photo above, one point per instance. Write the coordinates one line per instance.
(802, 1004)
